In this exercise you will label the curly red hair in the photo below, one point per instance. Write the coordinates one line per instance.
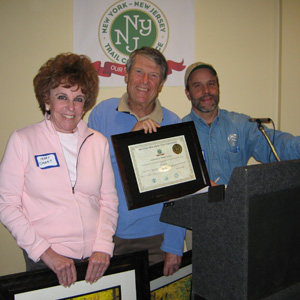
(68, 69)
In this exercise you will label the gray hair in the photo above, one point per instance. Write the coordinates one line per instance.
(152, 54)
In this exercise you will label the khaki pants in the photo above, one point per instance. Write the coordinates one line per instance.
(152, 244)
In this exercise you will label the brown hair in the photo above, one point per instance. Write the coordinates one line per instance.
(68, 69)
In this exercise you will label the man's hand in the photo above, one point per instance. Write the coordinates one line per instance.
(98, 264)
(147, 125)
(172, 263)
(212, 183)
(63, 267)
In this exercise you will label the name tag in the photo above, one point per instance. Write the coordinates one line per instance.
(46, 161)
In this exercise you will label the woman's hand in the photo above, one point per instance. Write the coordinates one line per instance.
(98, 264)
(63, 267)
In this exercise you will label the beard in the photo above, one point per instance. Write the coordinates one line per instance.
(197, 103)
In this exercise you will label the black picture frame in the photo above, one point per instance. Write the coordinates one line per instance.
(14, 284)
(136, 199)
(161, 286)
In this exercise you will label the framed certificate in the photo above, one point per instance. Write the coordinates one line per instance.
(160, 166)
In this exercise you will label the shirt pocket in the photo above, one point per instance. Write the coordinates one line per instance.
(49, 224)
(234, 159)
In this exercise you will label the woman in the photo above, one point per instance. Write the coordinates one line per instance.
(57, 188)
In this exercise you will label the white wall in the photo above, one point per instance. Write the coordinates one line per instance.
(290, 67)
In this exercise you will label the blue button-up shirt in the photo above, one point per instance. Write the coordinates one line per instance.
(231, 140)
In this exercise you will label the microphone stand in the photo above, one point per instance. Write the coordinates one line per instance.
(262, 129)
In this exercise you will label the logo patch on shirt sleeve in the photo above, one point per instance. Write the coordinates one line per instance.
(46, 161)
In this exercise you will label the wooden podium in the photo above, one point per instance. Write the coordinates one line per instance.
(246, 245)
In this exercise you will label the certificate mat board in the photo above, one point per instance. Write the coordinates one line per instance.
(160, 166)
(127, 273)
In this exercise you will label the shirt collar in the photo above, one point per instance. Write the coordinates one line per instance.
(196, 117)
(156, 115)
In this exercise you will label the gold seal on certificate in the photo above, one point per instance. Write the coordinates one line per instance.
(177, 148)
(160, 166)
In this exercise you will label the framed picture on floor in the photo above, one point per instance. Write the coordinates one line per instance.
(126, 278)
(176, 286)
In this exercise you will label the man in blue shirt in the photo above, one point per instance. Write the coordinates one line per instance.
(140, 109)
(228, 139)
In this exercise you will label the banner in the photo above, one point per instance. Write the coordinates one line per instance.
(108, 31)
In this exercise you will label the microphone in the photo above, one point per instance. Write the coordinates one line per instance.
(262, 130)
(260, 120)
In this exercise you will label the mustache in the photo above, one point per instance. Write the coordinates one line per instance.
(207, 95)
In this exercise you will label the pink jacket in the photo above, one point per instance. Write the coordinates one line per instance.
(37, 203)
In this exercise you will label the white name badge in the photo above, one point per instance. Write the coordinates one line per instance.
(46, 161)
